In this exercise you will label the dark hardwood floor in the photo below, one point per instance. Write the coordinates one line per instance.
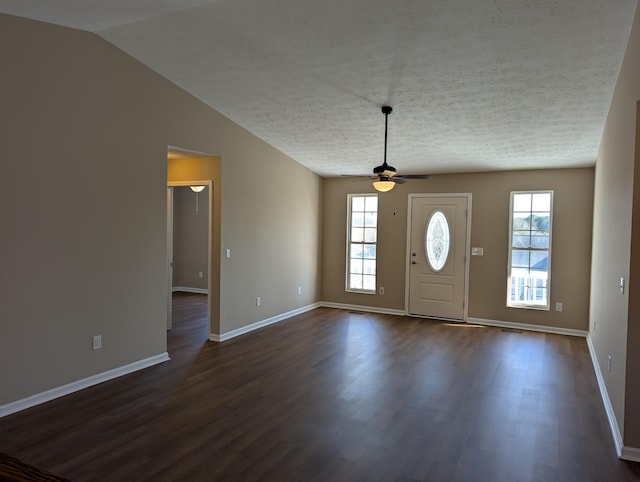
(332, 395)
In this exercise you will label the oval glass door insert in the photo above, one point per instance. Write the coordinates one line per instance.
(437, 240)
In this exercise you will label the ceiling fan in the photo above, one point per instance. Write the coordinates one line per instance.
(385, 176)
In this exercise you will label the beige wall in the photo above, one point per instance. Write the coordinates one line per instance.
(615, 317)
(84, 253)
(190, 237)
(571, 251)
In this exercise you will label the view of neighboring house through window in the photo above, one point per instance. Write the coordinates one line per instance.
(530, 249)
(361, 242)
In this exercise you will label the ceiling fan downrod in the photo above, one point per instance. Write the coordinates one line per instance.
(386, 110)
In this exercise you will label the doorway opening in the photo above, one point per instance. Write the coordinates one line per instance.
(187, 168)
(189, 221)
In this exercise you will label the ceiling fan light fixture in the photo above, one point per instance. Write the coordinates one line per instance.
(383, 186)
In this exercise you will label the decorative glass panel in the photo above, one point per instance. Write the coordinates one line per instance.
(437, 241)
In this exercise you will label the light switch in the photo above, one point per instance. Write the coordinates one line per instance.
(622, 284)
(227, 253)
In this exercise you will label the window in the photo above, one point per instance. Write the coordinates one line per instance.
(530, 249)
(361, 243)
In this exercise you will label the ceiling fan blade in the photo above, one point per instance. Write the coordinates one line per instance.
(397, 180)
(415, 176)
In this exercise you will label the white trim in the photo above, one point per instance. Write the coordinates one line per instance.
(524, 326)
(78, 385)
(186, 289)
(623, 452)
(608, 408)
(369, 309)
(260, 324)
(630, 453)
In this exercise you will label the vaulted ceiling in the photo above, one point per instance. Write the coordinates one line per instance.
(474, 85)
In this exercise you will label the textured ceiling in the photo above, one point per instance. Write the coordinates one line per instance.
(475, 85)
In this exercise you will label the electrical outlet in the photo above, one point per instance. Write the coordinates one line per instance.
(200, 274)
(559, 307)
(227, 253)
(258, 301)
(381, 290)
(97, 342)
(299, 290)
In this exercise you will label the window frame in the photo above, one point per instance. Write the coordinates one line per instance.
(350, 243)
(525, 304)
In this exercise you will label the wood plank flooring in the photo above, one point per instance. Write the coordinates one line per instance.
(332, 395)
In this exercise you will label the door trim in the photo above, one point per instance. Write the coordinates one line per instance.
(209, 184)
(467, 248)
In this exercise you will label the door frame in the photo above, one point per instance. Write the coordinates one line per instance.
(170, 199)
(467, 248)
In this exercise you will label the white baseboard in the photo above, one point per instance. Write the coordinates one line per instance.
(630, 453)
(524, 326)
(623, 452)
(368, 309)
(608, 408)
(260, 324)
(72, 387)
(186, 289)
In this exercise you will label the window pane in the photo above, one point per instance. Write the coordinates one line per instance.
(540, 221)
(357, 235)
(369, 266)
(539, 240)
(357, 219)
(522, 202)
(521, 221)
(370, 235)
(369, 251)
(371, 219)
(541, 202)
(369, 283)
(520, 259)
(357, 204)
(356, 266)
(539, 261)
(371, 203)
(521, 239)
(357, 251)
(355, 282)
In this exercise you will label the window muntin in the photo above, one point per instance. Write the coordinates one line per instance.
(530, 249)
(361, 242)
(437, 241)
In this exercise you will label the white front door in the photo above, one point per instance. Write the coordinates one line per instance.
(437, 255)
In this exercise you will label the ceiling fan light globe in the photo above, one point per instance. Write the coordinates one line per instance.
(383, 186)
